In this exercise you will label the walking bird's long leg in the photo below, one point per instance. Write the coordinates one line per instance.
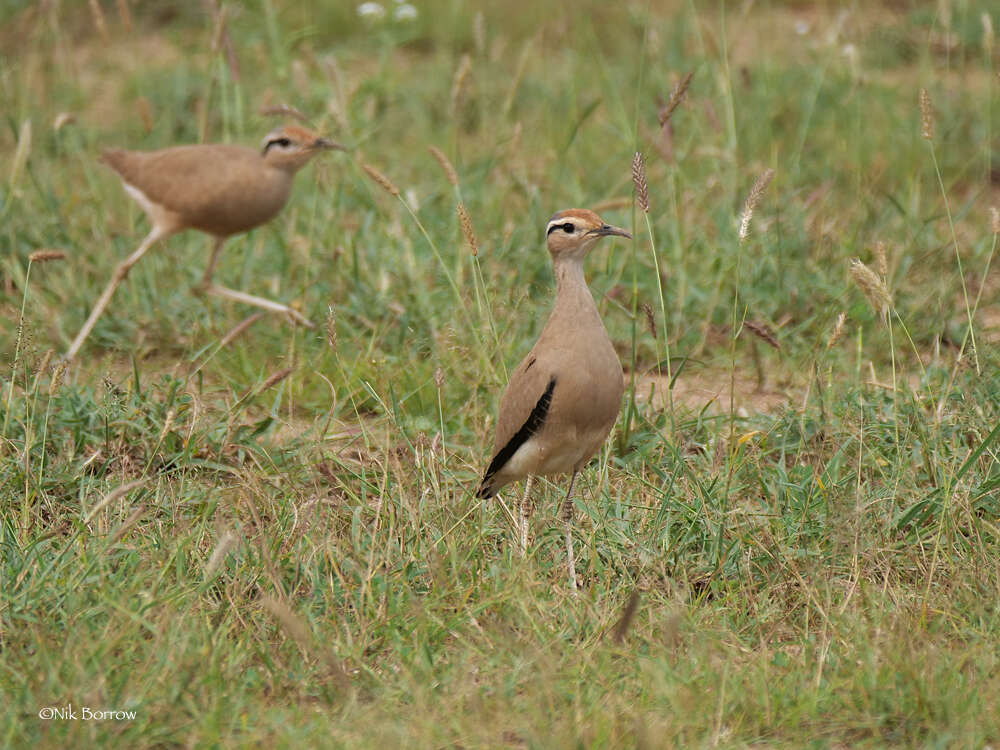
(121, 271)
(206, 278)
(567, 515)
(249, 299)
(526, 509)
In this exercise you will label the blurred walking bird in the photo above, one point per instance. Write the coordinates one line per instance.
(565, 396)
(218, 189)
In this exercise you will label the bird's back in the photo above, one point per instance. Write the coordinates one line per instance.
(219, 189)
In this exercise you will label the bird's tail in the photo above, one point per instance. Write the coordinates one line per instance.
(486, 488)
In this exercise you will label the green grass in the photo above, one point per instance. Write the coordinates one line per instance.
(303, 562)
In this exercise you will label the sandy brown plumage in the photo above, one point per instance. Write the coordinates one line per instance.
(218, 189)
(564, 397)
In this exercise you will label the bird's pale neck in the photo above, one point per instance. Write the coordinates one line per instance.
(572, 293)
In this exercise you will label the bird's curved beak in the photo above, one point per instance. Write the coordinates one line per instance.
(608, 230)
(323, 143)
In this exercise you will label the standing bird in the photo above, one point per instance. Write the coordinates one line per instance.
(564, 397)
(218, 189)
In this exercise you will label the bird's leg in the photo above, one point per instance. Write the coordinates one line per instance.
(121, 271)
(567, 516)
(206, 279)
(249, 299)
(526, 509)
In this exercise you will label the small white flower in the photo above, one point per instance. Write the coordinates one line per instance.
(405, 12)
(371, 10)
(801, 27)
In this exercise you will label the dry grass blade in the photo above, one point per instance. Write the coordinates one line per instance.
(126, 526)
(115, 494)
(21, 153)
(44, 256)
(222, 548)
(762, 331)
(628, 615)
(871, 286)
(926, 115)
(62, 120)
(240, 328)
(470, 236)
(99, 23)
(756, 192)
(381, 180)
(675, 98)
(124, 14)
(639, 180)
(284, 110)
(296, 629)
(446, 165)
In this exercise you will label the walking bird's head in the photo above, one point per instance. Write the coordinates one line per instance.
(571, 233)
(291, 147)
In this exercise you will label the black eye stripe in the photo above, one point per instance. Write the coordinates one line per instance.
(568, 228)
(282, 141)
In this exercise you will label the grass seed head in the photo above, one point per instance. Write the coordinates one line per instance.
(276, 378)
(647, 310)
(880, 259)
(639, 180)
(446, 165)
(470, 236)
(44, 256)
(331, 328)
(383, 182)
(752, 200)
(871, 286)
(675, 98)
(926, 115)
(439, 378)
(459, 82)
(838, 330)
(995, 220)
(762, 331)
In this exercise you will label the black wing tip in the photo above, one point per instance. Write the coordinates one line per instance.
(530, 427)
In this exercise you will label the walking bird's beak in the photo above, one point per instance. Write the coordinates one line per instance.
(607, 230)
(323, 143)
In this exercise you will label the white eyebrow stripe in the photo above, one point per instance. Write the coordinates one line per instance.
(559, 223)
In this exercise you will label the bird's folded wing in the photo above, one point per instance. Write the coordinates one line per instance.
(185, 178)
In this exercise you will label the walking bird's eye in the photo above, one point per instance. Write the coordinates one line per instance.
(283, 142)
(568, 228)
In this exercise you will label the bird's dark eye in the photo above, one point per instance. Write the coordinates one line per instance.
(568, 228)
(283, 142)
